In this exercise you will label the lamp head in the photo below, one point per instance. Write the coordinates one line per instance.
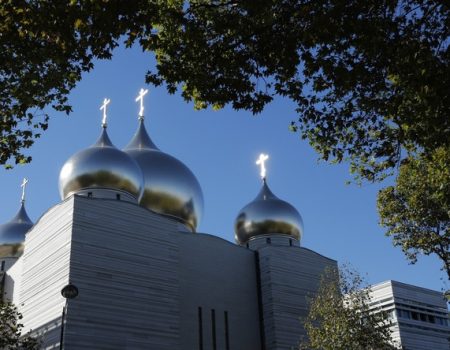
(70, 291)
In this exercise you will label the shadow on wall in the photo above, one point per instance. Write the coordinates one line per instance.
(6, 287)
(49, 334)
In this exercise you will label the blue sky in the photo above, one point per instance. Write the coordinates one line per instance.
(221, 148)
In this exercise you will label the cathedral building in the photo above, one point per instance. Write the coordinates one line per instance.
(124, 239)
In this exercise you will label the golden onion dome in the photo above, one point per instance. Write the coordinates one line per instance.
(267, 215)
(170, 187)
(12, 234)
(102, 168)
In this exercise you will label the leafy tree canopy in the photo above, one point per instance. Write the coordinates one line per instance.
(370, 78)
(416, 211)
(340, 317)
(11, 330)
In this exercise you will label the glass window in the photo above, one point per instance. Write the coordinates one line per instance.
(441, 321)
(403, 313)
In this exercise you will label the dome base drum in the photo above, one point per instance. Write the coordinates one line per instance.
(106, 193)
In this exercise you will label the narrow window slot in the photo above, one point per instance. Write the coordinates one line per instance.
(227, 334)
(213, 326)
(200, 329)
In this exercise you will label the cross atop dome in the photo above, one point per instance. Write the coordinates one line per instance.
(23, 185)
(106, 102)
(140, 99)
(261, 162)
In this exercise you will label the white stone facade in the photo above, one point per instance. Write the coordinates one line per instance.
(146, 283)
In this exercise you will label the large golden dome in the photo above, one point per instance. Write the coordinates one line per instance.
(267, 215)
(170, 187)
(101, 167)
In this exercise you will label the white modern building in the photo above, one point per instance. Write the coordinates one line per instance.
(125, 235)
(419, 316)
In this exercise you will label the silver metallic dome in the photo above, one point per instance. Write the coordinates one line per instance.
(12, 234)
(101, 166)
(170, 188)
(267, 214)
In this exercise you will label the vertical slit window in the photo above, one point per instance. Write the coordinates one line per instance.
(200, 329)
(227, 334)
(213, 326)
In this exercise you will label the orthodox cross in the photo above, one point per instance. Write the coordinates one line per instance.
(261, 162)
(23, 185)
(140, 99)
(106, 101)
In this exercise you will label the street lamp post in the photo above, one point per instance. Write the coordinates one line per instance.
(69, 291)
